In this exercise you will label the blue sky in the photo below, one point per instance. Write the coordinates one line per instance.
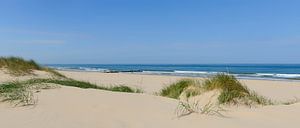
(151, 31)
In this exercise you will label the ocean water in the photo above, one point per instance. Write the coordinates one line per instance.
(247, 71)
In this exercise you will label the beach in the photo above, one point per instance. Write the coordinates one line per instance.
(77, 108)
(149, 64)
(279, 90)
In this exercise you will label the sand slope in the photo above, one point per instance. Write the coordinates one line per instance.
(69, 107)
(5, 77)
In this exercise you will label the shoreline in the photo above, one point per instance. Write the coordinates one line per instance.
(187, 76)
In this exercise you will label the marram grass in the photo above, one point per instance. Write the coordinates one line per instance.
(175, 89)
(22, 93)
(231, 90)
(18, 66)
(85, 85)
(19, 93)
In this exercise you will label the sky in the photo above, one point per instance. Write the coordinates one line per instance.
(151, 31)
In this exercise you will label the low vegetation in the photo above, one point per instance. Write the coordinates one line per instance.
(85, 85)
(221, 89)
(230, 87)
(293, 101)
(14, 92)
(187, 108)
(21, 93)
(231, 90)
(175, 89)
(18, 66)
(53, 72)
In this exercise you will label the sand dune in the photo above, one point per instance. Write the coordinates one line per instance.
(5, 77)
(70, 107)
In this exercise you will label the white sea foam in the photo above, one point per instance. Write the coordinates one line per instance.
(264, 74)
(288, 75)
(82, 69)
(191, 72)
(203, 73)
(156, 72)
(93, 69)
(278, 75)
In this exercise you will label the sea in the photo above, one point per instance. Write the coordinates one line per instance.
(243, 71)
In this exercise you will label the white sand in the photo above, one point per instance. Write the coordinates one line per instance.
(69, 107)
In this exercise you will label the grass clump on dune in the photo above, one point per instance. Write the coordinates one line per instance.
(18, 66)
(15, 92)
(221, 89)
(230, 87)
(122, 88)
(175, 89)
(85, 85)
(231, 90)
(22, 93)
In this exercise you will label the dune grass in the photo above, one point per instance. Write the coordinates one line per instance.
(175, 89)
(293, 101)
(53, 72)
(230, 87)
(84, 85)
(21, 93)
(123, 88)
(187, 108)
(18, 66)
(232, 91)
(15, 92)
